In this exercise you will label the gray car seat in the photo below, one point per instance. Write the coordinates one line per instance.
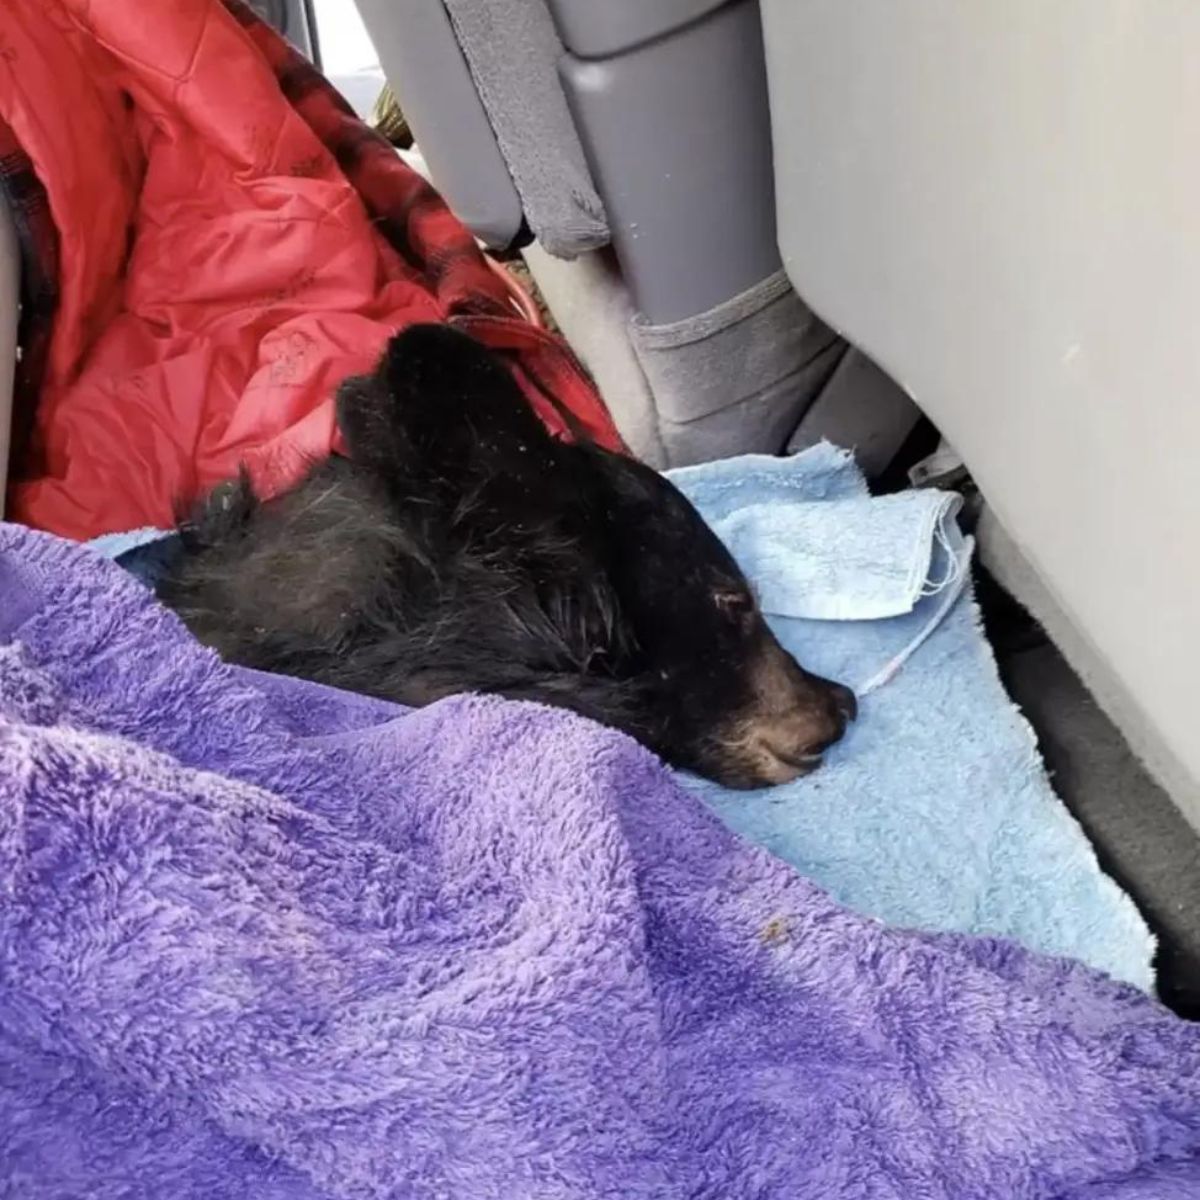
(1001, 201)
(627, 147)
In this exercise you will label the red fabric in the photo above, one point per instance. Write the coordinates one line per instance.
(230, 242)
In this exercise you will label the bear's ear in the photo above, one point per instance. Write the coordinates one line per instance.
(441, 406)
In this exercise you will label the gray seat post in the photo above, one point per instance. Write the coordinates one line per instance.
(670, 99)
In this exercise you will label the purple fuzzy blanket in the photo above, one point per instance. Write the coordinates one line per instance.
(261, 940)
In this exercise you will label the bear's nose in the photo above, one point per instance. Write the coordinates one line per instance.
(846, 702)
(843, 708)
(796, 739)
(806, 734)
(793, 718)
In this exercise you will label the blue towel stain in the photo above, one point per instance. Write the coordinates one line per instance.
(935, 812)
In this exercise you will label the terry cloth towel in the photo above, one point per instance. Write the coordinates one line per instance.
(936, 812)
(210, 242)
(260, 939)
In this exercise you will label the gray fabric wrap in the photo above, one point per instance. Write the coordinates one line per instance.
(737, 378)
(512, 50)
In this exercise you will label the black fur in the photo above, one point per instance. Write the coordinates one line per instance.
(460, 547)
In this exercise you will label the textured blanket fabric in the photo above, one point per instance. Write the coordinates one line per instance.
(258, 940)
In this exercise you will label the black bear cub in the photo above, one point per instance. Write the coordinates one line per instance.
(461, 548)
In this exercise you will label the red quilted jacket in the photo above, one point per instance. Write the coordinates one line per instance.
(211, 241)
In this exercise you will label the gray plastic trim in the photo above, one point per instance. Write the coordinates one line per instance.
(420, 55)
(598, 28)
(678, 137)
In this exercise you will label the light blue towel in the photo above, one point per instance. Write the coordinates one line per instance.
(935, 812)
(113, 545)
